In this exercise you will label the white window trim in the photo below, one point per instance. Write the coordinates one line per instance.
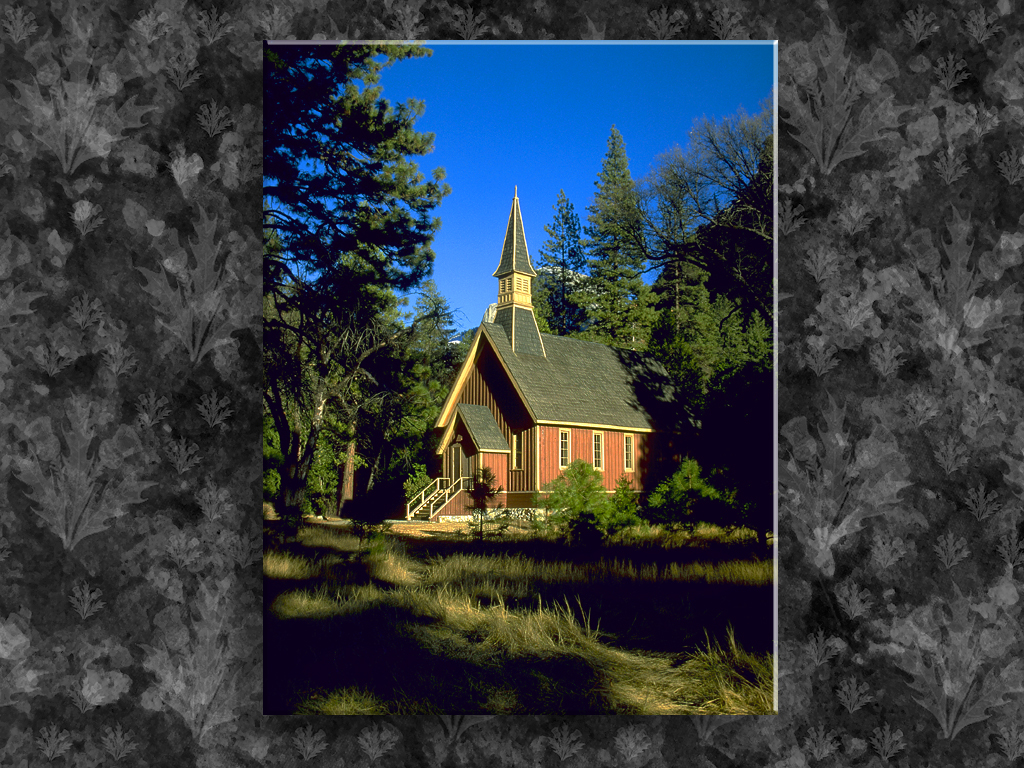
(598, 454)
(628, 456)
(568, 448)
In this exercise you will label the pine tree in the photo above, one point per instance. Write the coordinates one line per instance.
(560, 268)
(541, 305)
(618, 302)
(352, 216)
(393, 428)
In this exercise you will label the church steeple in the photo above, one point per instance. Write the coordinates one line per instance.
(515, 275)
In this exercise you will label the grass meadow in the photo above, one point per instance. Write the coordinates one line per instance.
(437, 622)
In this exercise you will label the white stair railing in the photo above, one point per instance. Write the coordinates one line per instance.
(459, 485)
(435, 496)
(423, 498)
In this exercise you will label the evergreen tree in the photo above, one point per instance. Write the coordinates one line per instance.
(416, 378)
(618, 302)
(351, 216)
(685, 499)
(696, 337)
(336, 171)
(580, 506)
(482, 492)
(560, 269)
(541, 305)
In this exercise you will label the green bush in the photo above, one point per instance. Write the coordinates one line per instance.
(624, 507)
(372, 534)
(272, 459)
(581, 509)
(685, 499)
(271, 485)
(484, 490)
(417, 481)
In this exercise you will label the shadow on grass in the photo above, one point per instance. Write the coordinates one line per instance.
(396, 655)
(468, 627)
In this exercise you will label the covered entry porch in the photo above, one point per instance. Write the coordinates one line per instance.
(472, 442)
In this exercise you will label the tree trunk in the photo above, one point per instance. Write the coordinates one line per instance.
(374, 469)
(293, 484)
(339, 489)
(295, 472)
(347, 483)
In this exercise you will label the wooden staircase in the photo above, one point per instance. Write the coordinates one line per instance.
(432, 498)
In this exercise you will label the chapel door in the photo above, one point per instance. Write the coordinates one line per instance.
(460, 463)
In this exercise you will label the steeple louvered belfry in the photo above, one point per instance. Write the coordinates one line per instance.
(515, 275)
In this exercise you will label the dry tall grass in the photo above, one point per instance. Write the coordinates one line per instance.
(506, 634)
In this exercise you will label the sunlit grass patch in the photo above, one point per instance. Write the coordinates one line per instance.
(515, 576)
(542, 630)
(307, 604)
(518, 629)
(751, 573)
(732, 681)
(660, 537)
(640, 684)
(346, 701)
(390, 565)
(280, 565)
(325, 537)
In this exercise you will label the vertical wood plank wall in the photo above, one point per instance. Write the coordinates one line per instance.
(581, 446)
(487, 385)
(498, 464)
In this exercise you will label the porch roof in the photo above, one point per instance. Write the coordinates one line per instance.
(483, 429)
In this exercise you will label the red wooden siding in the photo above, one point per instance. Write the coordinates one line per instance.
(581, 446)
(642, 461)
(457, 506)
(497, 463)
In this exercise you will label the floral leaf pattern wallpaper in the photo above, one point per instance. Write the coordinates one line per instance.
(130, 584)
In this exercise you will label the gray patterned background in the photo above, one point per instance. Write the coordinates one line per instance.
(130, 583)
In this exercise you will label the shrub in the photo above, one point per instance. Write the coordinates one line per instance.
(684, 499)
(581, 507)
(417, 481)
(272, 459)
(271, 485)
(483, 491)
(624, 507)
(372, 534)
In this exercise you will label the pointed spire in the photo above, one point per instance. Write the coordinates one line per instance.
(514, 256)
(515, 276)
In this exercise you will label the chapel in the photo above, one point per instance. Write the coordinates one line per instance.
(526, 404)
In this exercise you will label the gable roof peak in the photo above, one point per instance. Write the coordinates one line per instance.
(514, 255)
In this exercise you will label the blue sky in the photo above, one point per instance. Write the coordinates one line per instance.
(538, 116)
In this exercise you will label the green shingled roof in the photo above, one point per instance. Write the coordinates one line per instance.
(520, 325)
(587, 383)
(514, 257)
(483, 429)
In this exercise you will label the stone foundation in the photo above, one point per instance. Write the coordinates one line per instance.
(522, 513)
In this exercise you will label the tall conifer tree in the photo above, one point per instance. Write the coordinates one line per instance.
(354, 219)
(561, 268)
(618, 302)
